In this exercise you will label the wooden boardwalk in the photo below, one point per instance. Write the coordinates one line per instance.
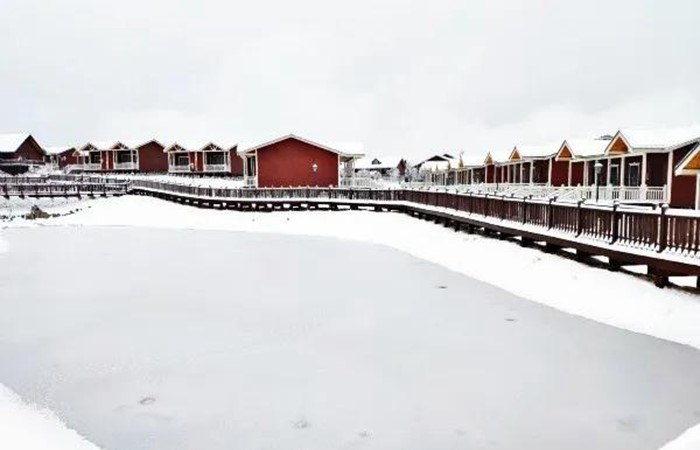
(43, 189)
(667, 242)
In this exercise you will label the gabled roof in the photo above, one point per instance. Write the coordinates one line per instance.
(537, 151)
(349, 154)
(58, 149)
(497, 156)
(378, 163)
(470, 161)
(658, 139)
(582, 148)
(112, 145)
(690, 165)
(9, 143)
(199, 146)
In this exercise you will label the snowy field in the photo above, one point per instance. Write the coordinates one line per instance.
(617, 299)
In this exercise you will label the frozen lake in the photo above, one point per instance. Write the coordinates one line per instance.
(168, 340)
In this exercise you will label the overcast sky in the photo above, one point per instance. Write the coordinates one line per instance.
(408, 78)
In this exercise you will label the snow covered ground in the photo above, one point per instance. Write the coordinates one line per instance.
(613, 298)
(26, 427)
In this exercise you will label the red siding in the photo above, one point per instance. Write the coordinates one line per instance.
(107, 160)
(152, 158)
(289, 162)
(682, 187)
(236, 164)
(577, 173)
(560, 173)
(490, 171)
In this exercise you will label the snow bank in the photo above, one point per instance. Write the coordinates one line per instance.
(24, 427)
(690, 440)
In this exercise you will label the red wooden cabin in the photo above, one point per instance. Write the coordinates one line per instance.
(204, 159)
(292, 161)
(124, 156)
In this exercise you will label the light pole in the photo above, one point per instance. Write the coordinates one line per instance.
(598, 170)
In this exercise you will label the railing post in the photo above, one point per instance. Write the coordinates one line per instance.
(550, 216)
(524, 212)
(615, 222)
(579, 218)
(663, 229)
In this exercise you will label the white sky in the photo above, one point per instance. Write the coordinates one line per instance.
(405, 78)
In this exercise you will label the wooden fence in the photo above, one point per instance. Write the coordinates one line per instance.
(657, 229)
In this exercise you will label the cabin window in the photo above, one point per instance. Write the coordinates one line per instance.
(250, 166)
(182, 160)
(633, 175)
(215, 158)
(614, 174)
(124, 157)
(95, 157)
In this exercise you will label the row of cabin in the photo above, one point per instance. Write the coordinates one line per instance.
(649, 166)
(289, 161)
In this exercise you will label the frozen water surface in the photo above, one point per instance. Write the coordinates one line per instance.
(166, 340)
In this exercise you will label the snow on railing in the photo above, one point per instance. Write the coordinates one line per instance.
(128, 165)
(179, 168)
(92, 166)
(217, 168)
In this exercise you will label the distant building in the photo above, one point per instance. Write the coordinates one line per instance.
(383, 165)
(19, 152)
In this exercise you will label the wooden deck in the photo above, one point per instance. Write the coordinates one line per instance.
(668, 243)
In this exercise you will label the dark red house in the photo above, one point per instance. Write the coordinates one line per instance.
(125, 156)
(18, 152)
(292, 161)
(204, 159)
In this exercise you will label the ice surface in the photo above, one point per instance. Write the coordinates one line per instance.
(172, 339)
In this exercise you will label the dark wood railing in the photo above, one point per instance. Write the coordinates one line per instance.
(644, 228)
(658, 229)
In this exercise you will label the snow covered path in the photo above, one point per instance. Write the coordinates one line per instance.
(223, 340)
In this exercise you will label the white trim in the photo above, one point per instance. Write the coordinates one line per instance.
(306, 141)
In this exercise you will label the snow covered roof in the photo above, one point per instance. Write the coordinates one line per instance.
(378, 163)
(9, 143)
(497, 156)
(690, 165)
(471, 160)
(582, 148)
(536, 151)
(641, 139)
(199, 146)
(111, 145)
(58, 149)
(343, 149)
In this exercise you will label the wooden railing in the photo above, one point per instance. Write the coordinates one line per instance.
(62, 189)
(654, 229)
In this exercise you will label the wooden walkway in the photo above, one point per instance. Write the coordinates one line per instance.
(668, 243)
(43, 189)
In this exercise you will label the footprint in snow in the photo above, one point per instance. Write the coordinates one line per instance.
(147, 401)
